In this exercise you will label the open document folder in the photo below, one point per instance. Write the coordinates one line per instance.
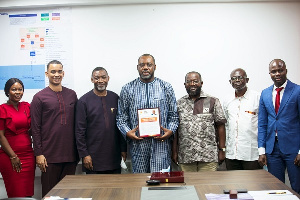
(257, 195)
(273, 195)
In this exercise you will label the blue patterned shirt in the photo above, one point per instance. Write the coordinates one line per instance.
(139, 95)
(148, 155)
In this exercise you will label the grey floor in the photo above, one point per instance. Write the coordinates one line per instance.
(38, 187)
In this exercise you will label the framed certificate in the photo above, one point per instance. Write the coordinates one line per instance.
(149, 122)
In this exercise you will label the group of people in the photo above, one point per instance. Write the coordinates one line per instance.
(197, 132)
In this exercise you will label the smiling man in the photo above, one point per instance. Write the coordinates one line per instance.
(241, 111)
(148, 154)
(279, 126)
(52, 123)
(200, 142)
(99, 142)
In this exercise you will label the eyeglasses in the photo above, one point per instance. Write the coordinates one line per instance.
(144, 64)
(235, 78)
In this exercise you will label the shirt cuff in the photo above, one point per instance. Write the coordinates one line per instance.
(299, 152)
(262, 150)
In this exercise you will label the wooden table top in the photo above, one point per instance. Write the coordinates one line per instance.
(128, 186)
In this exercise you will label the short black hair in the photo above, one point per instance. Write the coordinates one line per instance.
(9, 83)
(99, 69)
(147, 54)
(54, 62)
(193, 72)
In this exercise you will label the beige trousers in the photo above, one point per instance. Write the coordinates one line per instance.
(199, 166)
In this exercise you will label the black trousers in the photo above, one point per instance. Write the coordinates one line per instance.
(114, 171)
(233, 164)
(55, 172)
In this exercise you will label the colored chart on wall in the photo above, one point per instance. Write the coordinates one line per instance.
(31, 39)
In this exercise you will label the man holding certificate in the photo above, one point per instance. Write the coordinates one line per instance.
(147, 117)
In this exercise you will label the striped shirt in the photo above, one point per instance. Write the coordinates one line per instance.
(148, 155)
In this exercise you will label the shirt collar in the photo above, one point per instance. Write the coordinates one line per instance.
(246, 95)
(146, 83)
(202, 95)
(283, 85)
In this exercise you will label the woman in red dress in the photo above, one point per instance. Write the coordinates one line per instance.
(17, 162)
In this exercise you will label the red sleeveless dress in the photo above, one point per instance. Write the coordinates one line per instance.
(16, 124)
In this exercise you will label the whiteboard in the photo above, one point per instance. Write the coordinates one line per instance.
(211, 38)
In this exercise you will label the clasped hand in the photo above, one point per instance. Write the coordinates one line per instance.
(167, 133)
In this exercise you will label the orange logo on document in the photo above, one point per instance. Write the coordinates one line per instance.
(149, 119)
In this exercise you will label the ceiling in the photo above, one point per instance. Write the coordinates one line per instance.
(11, 4)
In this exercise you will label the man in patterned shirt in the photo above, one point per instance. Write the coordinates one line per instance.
(147, 154)
(200, 142)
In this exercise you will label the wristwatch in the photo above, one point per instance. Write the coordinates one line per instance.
(222, 149)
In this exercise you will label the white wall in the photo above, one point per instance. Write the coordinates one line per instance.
(212, 38)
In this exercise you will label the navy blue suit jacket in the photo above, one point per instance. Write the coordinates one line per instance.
(286, 121)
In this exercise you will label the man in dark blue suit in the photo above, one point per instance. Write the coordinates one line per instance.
(279, 126)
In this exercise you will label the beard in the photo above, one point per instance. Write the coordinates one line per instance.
(239, 87)
(194, 92)
(100, 88)
(146, 77)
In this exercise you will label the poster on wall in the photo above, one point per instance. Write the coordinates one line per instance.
(30, 39)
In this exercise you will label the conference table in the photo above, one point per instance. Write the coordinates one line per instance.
(129, 186)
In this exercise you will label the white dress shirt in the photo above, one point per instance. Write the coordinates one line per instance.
(241, 127)
(274, 93)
